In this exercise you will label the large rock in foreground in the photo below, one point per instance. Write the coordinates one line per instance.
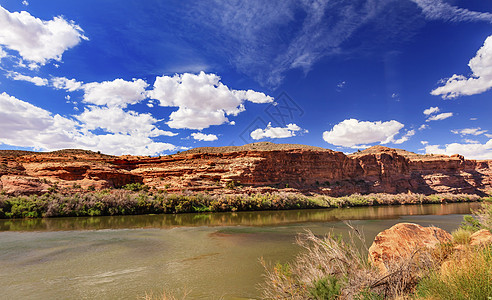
(401, 241)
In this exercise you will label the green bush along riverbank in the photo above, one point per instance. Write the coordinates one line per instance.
(134, 201)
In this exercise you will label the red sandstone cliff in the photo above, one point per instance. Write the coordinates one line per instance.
(257, 167)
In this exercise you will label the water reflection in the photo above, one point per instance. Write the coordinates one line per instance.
(261, 218)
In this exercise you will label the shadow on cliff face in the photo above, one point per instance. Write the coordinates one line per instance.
(448, 184)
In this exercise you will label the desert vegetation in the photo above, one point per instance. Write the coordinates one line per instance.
(336, 268)
(138, 199)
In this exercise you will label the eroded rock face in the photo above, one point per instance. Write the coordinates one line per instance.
(257, 166)
(15, 184)
(402, 240)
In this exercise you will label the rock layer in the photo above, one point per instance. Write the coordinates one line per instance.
(259, 166)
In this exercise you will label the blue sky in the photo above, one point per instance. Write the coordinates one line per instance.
(156, 77)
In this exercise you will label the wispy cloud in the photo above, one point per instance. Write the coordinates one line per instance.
(439, 10)
(32, 79)
(265, 39)
(469, 131)
(439, 117)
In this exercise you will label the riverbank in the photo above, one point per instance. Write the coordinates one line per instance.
(406, 261)
(126, 202)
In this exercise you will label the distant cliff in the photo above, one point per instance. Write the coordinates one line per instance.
(255, 167)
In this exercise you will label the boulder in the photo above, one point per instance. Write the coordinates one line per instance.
(401, 241)
(481, 237)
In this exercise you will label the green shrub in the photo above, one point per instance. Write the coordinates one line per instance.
(326, 288)
(53, 188)
(368, 295)
(232, 185)
(470, 224)
(136, 187)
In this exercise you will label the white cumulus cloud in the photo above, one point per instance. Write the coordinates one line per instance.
(62, 83)
(275, 132)
(440, 117)
(431, 110)
(202, 100)
(472, 150)
(25, 125)
(479, 82)
(116, 120)
(37, 40)
(117, 93)
(204, 137)
(355, 133)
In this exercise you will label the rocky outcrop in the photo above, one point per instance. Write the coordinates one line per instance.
(481, 237)
(256, 167)
(13, 184)
(402, 241)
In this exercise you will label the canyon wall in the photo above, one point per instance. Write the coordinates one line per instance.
(256, 167)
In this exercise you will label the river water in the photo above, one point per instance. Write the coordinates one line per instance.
(208, 256)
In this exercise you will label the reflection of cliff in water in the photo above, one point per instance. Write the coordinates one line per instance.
(257, 218)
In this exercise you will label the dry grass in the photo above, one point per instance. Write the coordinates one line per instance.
(466, 275)
(336, 268)
(461, 236)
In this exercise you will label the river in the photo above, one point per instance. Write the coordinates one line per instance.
(208, 256)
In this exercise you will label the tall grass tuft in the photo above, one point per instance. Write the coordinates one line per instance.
(467, 275)
(461, 236)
